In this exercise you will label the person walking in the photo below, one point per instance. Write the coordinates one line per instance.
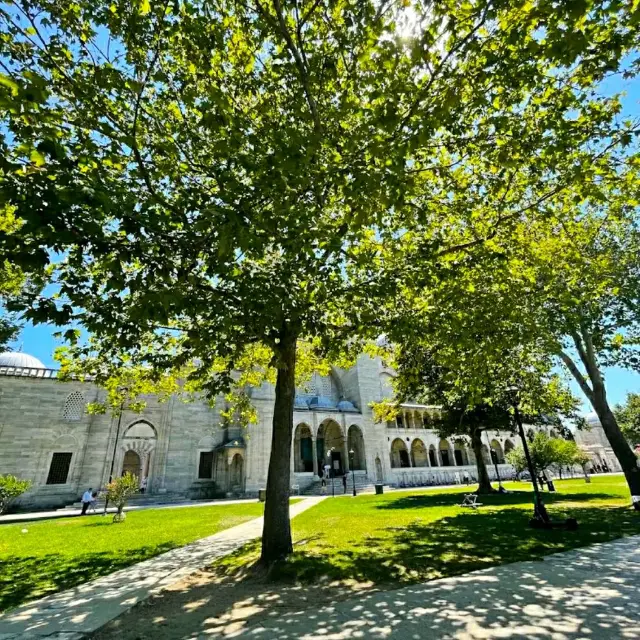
(143, 485)
(344, 482)
(87, 498)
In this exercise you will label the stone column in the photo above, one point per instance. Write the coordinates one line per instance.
(314, 453)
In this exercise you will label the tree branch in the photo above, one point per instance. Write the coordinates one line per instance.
(571, 365)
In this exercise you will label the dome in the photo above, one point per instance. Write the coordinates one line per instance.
(322, 402)
(345, 405)
(300, 403)
(19, 359)
(592, 419)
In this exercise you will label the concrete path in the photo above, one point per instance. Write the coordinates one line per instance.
(590, 593)
(32, 516)
(84, 609)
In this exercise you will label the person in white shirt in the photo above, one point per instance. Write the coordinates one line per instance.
(87, 498)
(143, 485)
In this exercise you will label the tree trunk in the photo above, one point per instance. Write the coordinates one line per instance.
(276, 533)
(484, 483)
(597, 396)
(620, 446)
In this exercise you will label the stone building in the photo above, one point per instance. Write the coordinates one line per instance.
(181, 449)
(594, 441)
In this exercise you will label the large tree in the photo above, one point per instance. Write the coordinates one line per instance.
(628, 417)
(212, 173)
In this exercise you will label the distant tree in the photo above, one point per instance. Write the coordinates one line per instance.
(628, 417)
(547, 453)
(10, 488)
(119, 491)
(567, 454)
(11, 282)
(517, 459)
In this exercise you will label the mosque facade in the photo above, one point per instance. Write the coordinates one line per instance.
(184, 449)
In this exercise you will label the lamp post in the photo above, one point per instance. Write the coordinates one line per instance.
(333, 489)
(539, 510)
(352, 454)
(494, 457)
(113, 457)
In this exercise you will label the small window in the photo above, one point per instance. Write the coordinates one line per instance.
(59, 469)
(205, 469)
(73, 407)
(399, 422)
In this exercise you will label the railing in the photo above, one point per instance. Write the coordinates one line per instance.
(28, 372)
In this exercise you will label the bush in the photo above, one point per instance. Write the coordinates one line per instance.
(119, 492)
(10, 488)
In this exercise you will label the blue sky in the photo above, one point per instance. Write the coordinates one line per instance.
(39, 341)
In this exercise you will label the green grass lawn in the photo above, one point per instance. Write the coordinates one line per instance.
(54, 555)
(405, 537)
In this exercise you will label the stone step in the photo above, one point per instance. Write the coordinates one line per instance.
(363, 485)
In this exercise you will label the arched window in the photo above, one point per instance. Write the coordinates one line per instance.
(355, 443)
(399, 454)
(419, 454)
(460, 454)
(302, 449)
(496, 452)
(74, 407)
(445, 453)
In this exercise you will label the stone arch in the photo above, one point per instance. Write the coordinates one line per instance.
(131, 463)
(496, 452)
(140, 429)
(236, 474)
(330, 445)
(445, 453)
(379, 474)
(460, 454)
(140, 437)
(303, 449)
(399, 454)
(433, 456)
(206, 443)
(419, 454)
(355, 443)
(74, 407)
(66, 441)
(508, 446)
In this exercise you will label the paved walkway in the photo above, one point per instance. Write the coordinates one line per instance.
(31, 516)
(592, 592)
(84, 609)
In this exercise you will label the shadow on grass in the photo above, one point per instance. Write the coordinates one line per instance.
(24, 578)
(454, 545)
(493, 499)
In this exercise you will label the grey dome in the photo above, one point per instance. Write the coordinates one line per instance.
(345, 406)
(19, 359)
(322, 402)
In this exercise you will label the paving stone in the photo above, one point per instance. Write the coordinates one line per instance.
(88, 607)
